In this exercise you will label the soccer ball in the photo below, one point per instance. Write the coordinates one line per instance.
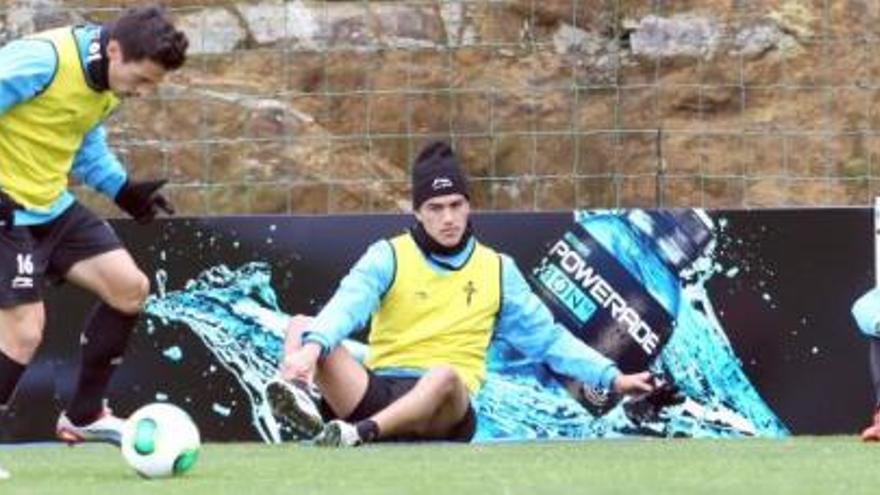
(160, 440)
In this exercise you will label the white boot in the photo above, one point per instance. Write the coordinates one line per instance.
(338, 433)
(107, 428)
(294, 403)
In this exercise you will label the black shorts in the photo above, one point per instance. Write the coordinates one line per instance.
(382, 390)
(33, 256)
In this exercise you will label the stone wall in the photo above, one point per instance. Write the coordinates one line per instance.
(320, 106)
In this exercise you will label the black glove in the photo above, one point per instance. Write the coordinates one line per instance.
(7, 211)
(647, 408)
(142, 200)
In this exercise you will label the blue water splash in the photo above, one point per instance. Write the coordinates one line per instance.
(173, 353)
(236, 316)
(221, 410)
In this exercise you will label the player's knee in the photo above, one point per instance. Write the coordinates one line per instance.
(336, 364)
(29, 339)
(131, 295)
(26, 336)
(444, 380)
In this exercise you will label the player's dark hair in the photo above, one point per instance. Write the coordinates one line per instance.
(146, 33)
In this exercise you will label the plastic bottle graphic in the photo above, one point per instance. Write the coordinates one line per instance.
(613, 280)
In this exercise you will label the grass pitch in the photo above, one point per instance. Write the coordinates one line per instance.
(796, 466)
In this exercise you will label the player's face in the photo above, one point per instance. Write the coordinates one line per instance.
(132, 78)
(445, 218)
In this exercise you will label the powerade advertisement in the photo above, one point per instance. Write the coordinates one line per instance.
(744, 315)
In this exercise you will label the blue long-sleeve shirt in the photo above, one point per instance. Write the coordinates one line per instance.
(28, 67)
(524, 321)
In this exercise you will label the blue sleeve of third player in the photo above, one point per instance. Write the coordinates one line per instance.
(26, 68)
(528, 325)
(96, 166)
(866, 312)
(357, 297)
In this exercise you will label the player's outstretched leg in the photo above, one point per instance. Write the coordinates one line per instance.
(122, 288)
(104, 340)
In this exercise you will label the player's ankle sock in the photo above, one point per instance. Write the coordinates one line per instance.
(10, 373)
(104, 341)
(367, 429)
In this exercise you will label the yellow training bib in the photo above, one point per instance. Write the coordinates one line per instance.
(428, 318)
(39, 138)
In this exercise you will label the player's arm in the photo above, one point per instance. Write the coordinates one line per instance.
(356, 298)
(527, 324)
(98, 167)
(28, 67)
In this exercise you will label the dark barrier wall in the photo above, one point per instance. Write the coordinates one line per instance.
(747, 312)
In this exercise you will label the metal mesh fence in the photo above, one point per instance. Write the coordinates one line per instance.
(321, 106)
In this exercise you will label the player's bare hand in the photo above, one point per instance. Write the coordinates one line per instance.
(634, 384)
(300, 364)
(296, 326)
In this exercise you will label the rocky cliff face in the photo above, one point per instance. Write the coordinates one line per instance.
(320, 106)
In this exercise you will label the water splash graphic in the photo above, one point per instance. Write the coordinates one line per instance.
(236, 316)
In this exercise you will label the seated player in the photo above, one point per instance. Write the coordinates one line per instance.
(436, 296)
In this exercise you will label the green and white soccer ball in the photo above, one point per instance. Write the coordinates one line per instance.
(160, 440)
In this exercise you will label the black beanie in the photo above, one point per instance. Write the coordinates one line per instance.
(436, 172)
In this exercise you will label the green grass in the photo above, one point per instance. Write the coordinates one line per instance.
(797, 466)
